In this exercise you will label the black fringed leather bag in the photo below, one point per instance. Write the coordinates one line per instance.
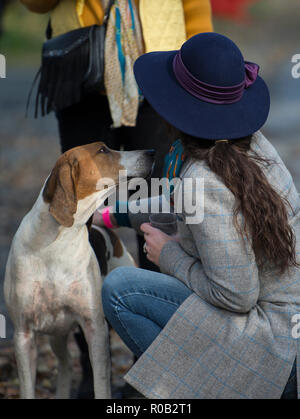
(72, 67)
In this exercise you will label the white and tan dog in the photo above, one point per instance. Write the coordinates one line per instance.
(53, 281)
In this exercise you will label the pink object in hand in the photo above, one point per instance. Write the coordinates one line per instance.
(106, 218)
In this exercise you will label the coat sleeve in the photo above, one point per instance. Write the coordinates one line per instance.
(225, 273)
(198, 17)
(40, 6)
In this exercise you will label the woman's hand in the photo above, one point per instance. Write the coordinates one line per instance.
(155, 241)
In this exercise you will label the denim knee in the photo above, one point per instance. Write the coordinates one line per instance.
(114, 283)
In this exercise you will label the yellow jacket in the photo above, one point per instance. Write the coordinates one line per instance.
(66, 14)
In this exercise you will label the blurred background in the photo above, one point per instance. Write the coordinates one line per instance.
(267, 31)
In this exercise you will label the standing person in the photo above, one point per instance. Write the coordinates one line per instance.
(119, 116)
(220, 320)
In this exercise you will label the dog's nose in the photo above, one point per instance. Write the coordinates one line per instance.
(150, 152)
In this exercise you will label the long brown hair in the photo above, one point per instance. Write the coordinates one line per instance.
(264, 210)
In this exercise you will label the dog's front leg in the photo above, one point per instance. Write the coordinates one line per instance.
(25, 351)
(97, 337)
(59, 345)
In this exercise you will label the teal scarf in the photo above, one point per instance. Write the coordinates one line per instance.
(172, 167)
(174, 160)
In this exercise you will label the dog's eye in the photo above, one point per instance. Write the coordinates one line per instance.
(103, 150)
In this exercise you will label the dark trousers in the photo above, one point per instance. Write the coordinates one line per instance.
(90, 121)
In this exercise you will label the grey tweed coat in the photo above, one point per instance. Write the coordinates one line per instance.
(232, 338)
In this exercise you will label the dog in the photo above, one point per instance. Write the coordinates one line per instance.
(53, 280)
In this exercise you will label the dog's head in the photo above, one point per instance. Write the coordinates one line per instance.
(80, 175)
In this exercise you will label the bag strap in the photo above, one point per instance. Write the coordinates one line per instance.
(107, 11)
(30, 94)
(49, 30)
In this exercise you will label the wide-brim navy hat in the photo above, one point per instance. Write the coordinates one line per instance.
(206, 89)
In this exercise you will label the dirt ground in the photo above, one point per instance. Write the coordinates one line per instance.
(29, 149)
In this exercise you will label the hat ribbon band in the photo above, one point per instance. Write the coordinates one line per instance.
(211, 93)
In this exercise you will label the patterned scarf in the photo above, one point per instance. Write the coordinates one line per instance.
(172, 166)
(123, 45)
(174, 160)
(162, 28)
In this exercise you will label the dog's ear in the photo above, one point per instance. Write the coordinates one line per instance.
(60, 192)
(89, 223)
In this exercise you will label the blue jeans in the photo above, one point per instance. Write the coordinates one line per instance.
(139, 303)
